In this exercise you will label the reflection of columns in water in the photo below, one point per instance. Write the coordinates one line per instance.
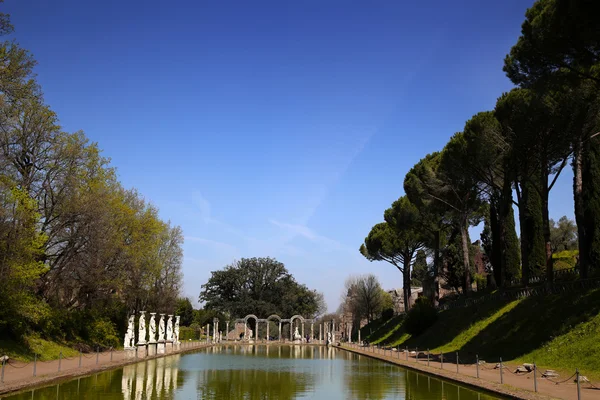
(150, 378)
(127, 381)
(175, 370)
(167, 376)
(160, 370)
(140, 372)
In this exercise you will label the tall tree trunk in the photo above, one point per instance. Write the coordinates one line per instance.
(546, 230)
(436, 267)
(584, 260)
(591, 199)
(497, 244)
(406, 286)
(464, 234)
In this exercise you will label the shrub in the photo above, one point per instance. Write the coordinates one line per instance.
(420, 317)
(102, 333)
(388, 313)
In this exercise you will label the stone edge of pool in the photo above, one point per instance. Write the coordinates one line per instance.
(491, 387)
(47, 380)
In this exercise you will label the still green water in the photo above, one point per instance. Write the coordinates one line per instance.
(257, 372)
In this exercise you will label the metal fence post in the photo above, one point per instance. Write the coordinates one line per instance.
(501, 368)
(79, 358)
(534, 377)
(457, 362)
(97, 352)
(406, 353)
(59, 360)
(477, 362)
(417, 354)
(111, 351)
(2, 378)
(34, 364)
(442, 360)
(398, 351)
(578, 386)
(428, 357)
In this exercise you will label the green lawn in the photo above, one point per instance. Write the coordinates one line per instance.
(46, 350)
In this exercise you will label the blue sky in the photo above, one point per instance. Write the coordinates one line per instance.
(272, 128)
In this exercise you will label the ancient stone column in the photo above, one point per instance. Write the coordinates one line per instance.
(280, 331)
(320, 333)
(227, 333)
(359, 342)
(245, 329)
(267, 330)
(303, 330)
(312, 331)
(207, 333)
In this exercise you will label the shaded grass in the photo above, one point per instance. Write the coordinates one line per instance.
(31, 345)
(560, 332)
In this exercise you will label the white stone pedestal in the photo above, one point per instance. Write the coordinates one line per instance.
(160, 348)
(151, 349)
(129, 353)
(169, 347)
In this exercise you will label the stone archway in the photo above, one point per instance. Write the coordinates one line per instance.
(246, 318)
(270, 318)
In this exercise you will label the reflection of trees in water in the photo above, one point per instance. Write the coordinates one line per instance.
(420, 386)
(252, 384)
(366, 378)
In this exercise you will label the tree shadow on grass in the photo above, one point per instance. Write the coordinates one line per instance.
(531, 323)
(451, 323)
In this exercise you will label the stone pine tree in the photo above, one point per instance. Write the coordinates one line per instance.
(559, 47)
(418, 184)
(396, 241)
(487, 158)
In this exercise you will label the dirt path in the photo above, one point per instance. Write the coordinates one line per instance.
(20, 375)
(517, 386)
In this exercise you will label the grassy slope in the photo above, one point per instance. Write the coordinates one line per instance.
(558, 331)
(45, 349)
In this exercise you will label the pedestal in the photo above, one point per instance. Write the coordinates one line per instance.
(142, 350)
(129, 353)
(177, 346)
(169, 347)
(160, 348)
(152, 348)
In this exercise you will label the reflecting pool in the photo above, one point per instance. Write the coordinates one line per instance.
(257, 372)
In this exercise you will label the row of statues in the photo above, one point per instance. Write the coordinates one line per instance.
(172, 334)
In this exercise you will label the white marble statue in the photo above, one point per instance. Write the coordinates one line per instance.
(170, 329)
(297, 334)
(176, 329)
(152, 337)
(130, 335)
(250, 333)
(328, 337)
(142, 328)
(161, 328)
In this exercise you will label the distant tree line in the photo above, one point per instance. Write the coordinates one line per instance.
(78, 251)
(511, 156)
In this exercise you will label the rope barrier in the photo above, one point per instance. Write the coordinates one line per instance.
(10, 362)
(558, 383)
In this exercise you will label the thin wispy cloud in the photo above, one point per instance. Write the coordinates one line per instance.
(221, 246)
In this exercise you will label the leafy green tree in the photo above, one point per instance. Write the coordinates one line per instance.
(564, 234)
(185, 310)
(420, 272)
(260, 286)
